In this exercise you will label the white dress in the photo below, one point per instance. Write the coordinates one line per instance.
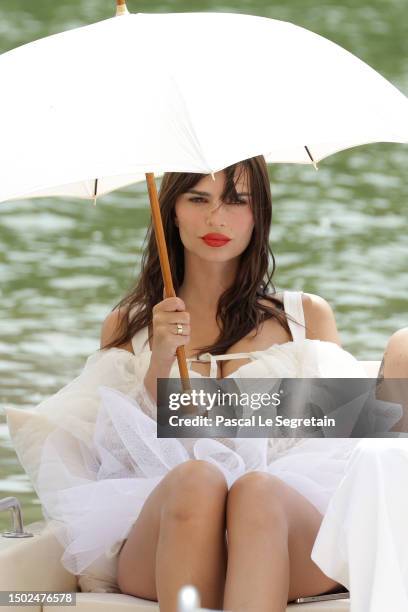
(92, 507)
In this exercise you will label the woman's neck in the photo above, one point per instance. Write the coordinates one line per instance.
(204, 283)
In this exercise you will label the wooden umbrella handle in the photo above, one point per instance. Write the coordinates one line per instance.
(165, 268)
(121, 8)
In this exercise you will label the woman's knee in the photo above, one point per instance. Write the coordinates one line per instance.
(396, 355)
(256, 482)
(400, 337)
(194, 488)
(259, 498)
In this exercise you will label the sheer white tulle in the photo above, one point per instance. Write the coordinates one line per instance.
(103, 458)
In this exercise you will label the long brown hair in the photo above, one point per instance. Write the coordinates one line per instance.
(238, 310)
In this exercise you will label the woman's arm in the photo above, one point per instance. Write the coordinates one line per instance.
(319, 319)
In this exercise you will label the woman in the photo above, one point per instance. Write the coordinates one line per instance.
(244, 535)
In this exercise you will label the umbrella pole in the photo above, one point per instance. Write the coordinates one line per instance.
(121, 8)
(165, 268)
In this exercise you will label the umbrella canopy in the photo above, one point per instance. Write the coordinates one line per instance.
(141, 93)
(96, 108)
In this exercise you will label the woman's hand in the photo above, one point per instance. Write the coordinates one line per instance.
(166, 314)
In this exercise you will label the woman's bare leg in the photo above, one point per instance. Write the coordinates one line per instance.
(395, 360)
(271, 529)
(179, 538)
(392, 383)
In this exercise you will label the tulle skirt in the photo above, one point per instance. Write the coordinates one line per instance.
(92, 493)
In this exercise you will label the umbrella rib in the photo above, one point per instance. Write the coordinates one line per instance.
(95, 191)
(310, 155)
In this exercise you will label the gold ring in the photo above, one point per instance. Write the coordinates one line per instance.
(179, 328)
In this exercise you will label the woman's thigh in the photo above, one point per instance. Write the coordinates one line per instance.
(136, 572)
(263, 495)
(304, 520)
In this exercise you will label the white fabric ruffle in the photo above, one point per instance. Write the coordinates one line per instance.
(127, 460)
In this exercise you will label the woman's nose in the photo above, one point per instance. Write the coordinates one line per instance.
(214, 209)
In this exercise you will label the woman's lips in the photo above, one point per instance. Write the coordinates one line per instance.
(215, 242)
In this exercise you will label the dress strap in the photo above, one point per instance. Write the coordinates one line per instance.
(293, 304)
(214, 358)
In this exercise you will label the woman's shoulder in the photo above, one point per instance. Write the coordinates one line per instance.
(315, 306)
(320, 320)
(111, 327)
(319, 317)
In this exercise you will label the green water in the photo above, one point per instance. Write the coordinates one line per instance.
(339, 232)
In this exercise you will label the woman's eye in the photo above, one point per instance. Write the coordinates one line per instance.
(237, 202)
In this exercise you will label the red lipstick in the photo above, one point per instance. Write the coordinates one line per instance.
(215, 240)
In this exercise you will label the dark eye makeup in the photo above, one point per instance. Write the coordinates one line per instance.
(237, 202)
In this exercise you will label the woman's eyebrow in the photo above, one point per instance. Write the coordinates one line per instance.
(205, 193)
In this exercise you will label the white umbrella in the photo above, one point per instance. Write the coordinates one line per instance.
(99, 107)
